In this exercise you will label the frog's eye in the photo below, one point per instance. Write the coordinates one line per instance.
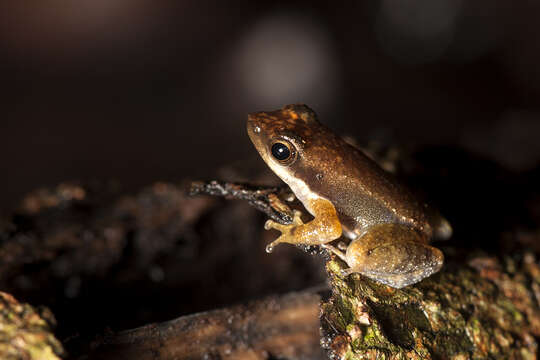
(283, 151)
(280, 151)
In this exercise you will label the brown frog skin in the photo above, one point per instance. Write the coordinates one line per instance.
(349, 194)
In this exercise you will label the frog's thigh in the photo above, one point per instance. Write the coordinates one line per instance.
(394, 255)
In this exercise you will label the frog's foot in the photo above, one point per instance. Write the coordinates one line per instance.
(335, 251)
(286, 231)
(347, 272)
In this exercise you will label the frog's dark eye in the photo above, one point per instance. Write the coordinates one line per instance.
(281, 151)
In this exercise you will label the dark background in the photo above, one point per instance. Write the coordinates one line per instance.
(142, 90)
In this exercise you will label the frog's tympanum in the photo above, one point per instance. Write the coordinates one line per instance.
(349, 194)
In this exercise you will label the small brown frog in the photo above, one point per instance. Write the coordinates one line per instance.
(347, 193)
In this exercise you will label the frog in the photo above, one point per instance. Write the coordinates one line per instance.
(349, 196)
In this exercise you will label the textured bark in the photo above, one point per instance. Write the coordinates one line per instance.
(285, 327)
(481, 308)
(266, 200)
(102, 259)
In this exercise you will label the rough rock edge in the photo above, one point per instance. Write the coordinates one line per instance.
(25, 332)
(484, 308)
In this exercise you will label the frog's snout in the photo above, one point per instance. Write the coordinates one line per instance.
(251, 122)
(253, 127)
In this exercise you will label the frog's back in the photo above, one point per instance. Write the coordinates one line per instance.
(362, 192)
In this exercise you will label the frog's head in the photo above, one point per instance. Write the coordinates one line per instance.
(293, 143)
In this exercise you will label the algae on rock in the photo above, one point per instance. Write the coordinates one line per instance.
(478, 309)
(25, 333)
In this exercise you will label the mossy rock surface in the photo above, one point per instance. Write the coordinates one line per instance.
(481, 308)
(25, 332)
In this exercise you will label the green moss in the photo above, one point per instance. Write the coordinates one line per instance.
(456, 314)
(26, 332)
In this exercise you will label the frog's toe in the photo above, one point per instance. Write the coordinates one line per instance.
(269, 224)
(286, 231)
(346, 272)
(297, 220)
(297, 217)
(270, 247)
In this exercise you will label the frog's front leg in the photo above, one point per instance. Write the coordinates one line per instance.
(324, 228)
(393, 254)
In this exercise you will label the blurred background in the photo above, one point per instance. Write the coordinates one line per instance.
(141, 90)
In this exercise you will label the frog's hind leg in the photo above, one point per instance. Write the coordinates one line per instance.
(394, 255)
